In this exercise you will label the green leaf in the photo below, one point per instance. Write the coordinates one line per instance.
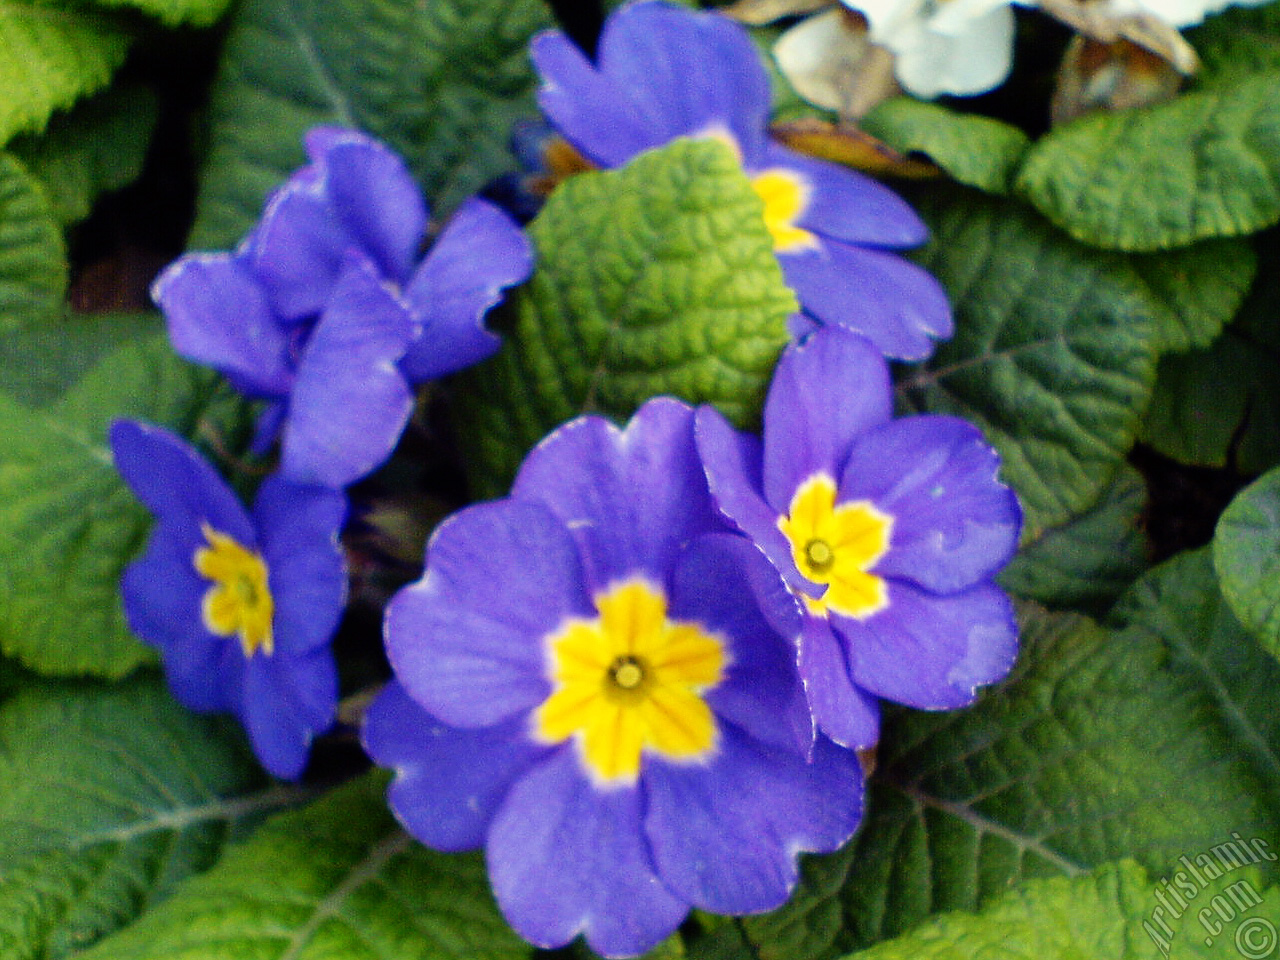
(441, 82)
(1218, 407)
(336, 880)
(97, 147)
(657, 278)
(1112, 913)
(109, 797)
(1053, 356)
(40, 361)
(1201, 288)
(1090, 561)
(51, 54)
(977, 151)
(1153, 742)
(33, 258)
(1246, 553)
(1238, 42)
(174, 13)
(1205, 164)
(68, 525)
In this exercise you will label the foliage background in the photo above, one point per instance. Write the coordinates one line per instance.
(1115, 282)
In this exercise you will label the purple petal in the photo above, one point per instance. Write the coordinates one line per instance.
(715, 580)
(377, 201)
(351, 402)
(448, 782)
(846, 205)
(280, 707)
(846, 714)
(480, 253)
(631, 497)
(306, 566)
(566, 858)
(664, 72)
(162, 595)
(176, 483)
(218, 315)
(826, 391)
(954, 523)
(894, 303)
(928, 651)
(467, 641)
(725, 836)
(298, 248)
(731, 460)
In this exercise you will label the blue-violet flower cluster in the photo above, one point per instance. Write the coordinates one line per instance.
(664, 72)
(241, 605)
(327, 312)
(586, 690)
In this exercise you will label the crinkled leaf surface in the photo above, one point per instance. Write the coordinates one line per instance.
(1053, 356)
(98, 146)
(339, 879)
(440, 81)
(1218, 406)
(1246, 553)
(1087, 563)
(1201, 287)
(977, 151)
(657, 278)
(1205, 164)
(68, 525)
(1153, 740)
(51, 54)
(109, 796)
(33, 257)
(1238, 42)
(1098, 916)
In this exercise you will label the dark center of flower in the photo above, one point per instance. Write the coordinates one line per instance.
(626, 672)
(819, 554)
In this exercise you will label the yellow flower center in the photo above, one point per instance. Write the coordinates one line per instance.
(631, 681)
(786, 197)
(238, 602)
(837, 546)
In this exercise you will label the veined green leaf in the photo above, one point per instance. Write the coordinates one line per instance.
(656, 278)
(1201, 287)
(1087, 563)
(338, 879)
(173, 13)
(109, 797)
(977, 151)
(1246, 553)
(1238, 42)
(1205, 164)
(68, 525)
(441, 82)
(33, 257)
(1113, 913)
(96, 147)
(51, 54)
(1053, 356)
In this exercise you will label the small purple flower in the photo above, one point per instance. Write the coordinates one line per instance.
(240, 605)
(889, 533)
(665, 72)
(586, 688)
(327, 312)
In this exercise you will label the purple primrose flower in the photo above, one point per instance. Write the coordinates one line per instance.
(664, 72)
(327, 311)
(240, 605)
(889, 533)
(581, 690)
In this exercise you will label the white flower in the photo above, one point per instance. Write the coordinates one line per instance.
(960, 47)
